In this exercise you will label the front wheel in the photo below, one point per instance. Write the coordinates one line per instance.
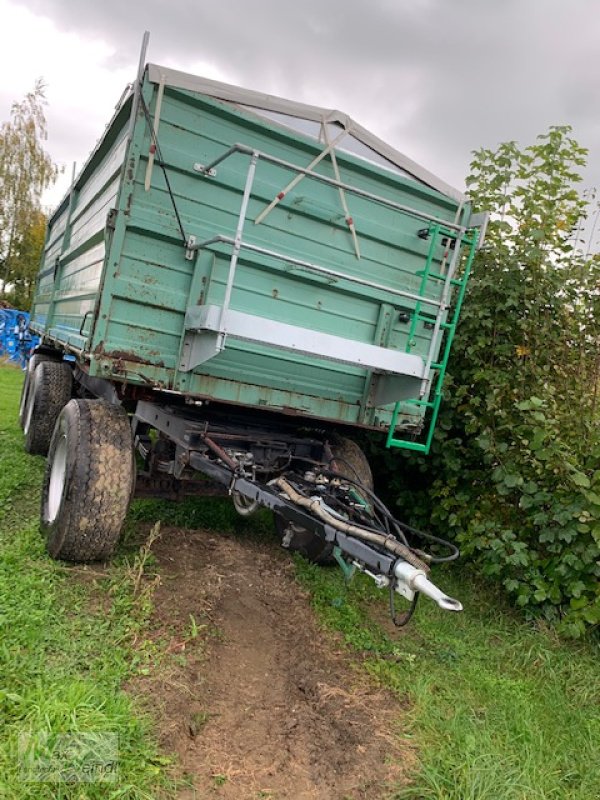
(88, 481)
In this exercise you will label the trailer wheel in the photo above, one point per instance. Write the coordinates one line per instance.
(50, 389)
(33, 362)
(88, 481)
(352, 462)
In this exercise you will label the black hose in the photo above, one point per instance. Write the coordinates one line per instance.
(375, 500)
(401, 527)
(406, 616)
(454, 554)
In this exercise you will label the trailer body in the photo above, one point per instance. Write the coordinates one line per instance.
(183, 262)
(233, 283)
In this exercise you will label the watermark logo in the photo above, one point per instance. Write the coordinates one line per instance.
(87, 757)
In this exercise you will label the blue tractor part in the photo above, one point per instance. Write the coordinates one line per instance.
(16, 340)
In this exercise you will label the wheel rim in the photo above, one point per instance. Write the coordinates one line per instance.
(29, 411)
(24, 398)
(58, 474)
(244, 506)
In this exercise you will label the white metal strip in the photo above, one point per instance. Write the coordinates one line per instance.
(261, 330)
(235, 94)
(347, 215)
(154, 138)
(295, 181)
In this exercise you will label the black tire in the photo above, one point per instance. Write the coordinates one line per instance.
(351, 462)
(35, 360)
(88, 481)
(50, 390)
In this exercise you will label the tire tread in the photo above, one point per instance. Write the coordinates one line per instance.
(51, 388)
(88, 527)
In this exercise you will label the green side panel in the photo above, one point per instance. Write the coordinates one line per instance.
(116, 279)
(150, 284)
(74, 254)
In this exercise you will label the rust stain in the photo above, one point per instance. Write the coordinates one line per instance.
(291, 411)
(125, 355)
(120, 356)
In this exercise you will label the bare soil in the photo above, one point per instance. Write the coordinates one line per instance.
(260, 702)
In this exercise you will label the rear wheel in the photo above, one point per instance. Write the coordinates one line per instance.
(33, 362)
(351, 462)
(51, 383)
(88, 481)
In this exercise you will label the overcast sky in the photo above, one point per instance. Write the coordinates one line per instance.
(435, 78)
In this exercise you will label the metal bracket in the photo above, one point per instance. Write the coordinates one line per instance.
(209, 173)
(480, 220)
(190, 248)
(111, 219)
(197, 349)
(261, 330)
(347, 569)
(83, 321)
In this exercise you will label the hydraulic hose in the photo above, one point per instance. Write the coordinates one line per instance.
(386, 541)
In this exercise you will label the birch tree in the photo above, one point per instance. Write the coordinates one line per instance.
(26, 170)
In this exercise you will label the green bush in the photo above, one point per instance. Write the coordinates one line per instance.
(514, 473)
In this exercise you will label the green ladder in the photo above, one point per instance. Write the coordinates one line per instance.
(468, 238)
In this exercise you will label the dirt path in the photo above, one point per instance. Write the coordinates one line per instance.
(264, 705)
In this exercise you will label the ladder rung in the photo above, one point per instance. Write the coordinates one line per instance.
(406, 444)
(437, 277)
(445, 325)
(426, 403)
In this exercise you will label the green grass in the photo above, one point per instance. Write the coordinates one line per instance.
(65, 644)
(497, 710)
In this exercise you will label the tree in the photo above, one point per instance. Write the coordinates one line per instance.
(26, 170)
(25, 260)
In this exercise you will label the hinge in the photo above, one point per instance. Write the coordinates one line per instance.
(111, 219)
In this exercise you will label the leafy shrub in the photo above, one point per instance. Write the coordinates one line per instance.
(514, 474)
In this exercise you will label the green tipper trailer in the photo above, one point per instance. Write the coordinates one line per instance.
(241, 281)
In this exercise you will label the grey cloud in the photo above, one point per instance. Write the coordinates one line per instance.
(435, 78)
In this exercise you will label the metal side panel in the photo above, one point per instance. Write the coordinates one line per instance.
(329, 344)
(74, 259)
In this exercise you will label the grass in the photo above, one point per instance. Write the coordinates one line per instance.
(498, 710)
(495, 708)
(65, 648)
